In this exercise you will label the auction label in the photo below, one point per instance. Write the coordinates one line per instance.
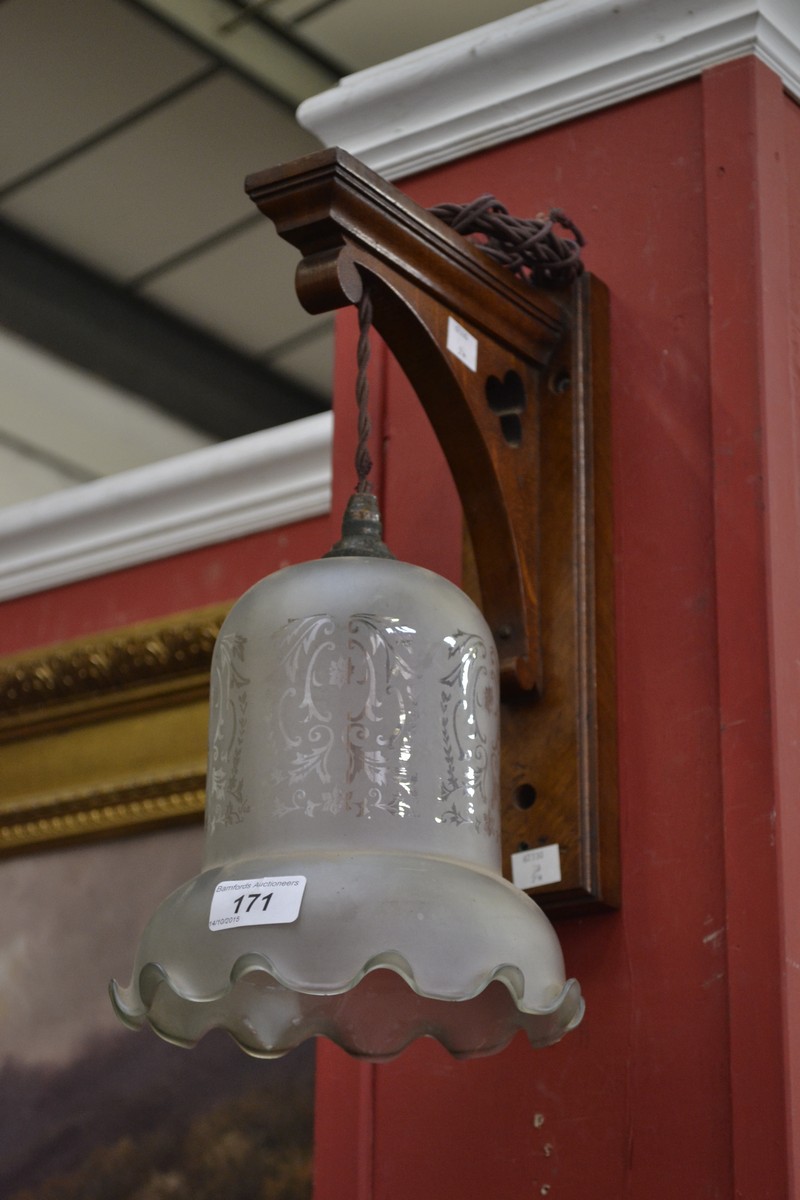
(462, 344)
(534, 868)
(273, 900)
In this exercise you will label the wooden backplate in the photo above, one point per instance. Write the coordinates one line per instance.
(559, 748)
(533, 475)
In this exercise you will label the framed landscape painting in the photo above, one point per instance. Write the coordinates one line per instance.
(88, 1109)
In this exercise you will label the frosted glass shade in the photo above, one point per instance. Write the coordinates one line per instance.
(353, 745)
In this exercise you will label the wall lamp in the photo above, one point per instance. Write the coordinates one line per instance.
(359, 811)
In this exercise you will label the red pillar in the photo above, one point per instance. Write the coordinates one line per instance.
(752, 142)
(675, 1085)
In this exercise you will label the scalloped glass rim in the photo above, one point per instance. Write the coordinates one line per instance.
(475, 1025)
(371, 962)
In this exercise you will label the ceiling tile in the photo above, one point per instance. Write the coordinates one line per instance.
(92, 425)
(362, 33)
(22, 478)
(160, 200)
(241, 289)
(164, 184)
(68, 70)
(250, 42)
(309, 362)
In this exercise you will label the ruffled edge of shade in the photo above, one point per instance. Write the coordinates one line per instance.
(387, 947)
(376, 1016)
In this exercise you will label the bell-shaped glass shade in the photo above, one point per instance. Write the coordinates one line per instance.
(351, 884)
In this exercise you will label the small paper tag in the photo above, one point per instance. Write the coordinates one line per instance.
(273, 900)
(462, 344)
(534, 868)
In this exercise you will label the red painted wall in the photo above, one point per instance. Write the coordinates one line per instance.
(674, 1086)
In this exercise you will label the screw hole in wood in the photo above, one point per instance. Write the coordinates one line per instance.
(525, 796)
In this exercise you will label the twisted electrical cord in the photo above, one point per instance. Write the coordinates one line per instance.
(363, 457)
(528, 247)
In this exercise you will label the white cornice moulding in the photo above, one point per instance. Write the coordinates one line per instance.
(211, 495)
(548, 64)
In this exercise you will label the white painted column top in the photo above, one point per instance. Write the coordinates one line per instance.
(552, 62)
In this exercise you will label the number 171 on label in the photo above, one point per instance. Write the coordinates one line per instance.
(267, 901)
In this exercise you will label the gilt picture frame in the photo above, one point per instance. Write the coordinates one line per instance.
(106, 734)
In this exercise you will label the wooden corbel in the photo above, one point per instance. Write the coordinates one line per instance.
(514, 381)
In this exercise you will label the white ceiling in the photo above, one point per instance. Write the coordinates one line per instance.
(128, 127)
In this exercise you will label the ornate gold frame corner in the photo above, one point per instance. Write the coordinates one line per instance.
(106, 735)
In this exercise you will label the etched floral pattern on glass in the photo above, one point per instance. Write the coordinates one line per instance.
(346, 716)
(468, 711)
(351, 726)
(226, 802)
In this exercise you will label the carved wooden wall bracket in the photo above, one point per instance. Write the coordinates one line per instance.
(514, 381)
